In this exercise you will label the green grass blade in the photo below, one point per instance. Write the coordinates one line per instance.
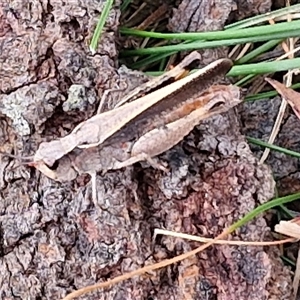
(273, 147)
(265, 67)
(266, 95)
(210, 44)
(256, 68)
(218, 35)
(124, 5)
(257, 51)
(264, 17)
(262, 208)
(100, 25)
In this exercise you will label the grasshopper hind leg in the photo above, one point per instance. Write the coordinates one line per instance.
(142, 157)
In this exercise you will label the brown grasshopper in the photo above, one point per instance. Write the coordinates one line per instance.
(216, 100)
(143, 128)
(132, 120)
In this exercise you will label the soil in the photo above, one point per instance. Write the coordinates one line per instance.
(55, 239)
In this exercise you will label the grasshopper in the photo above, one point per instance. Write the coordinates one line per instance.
(132, 120)
(218, 99)
(143, 128)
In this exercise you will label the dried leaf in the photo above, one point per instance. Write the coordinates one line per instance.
(291, 96)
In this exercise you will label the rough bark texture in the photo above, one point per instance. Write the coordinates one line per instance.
(54, 239)
(258, 119)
